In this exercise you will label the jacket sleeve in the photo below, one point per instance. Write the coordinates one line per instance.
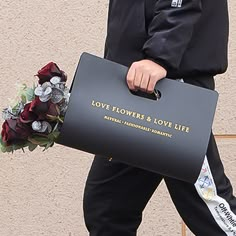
(170, 31)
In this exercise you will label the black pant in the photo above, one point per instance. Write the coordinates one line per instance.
(116, 194)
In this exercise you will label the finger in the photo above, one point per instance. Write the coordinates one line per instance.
(152, 83)
(144, 82)
(137, 79)
(130, 78)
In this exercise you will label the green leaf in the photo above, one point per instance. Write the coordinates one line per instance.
(32, 146)
(15, 108)
(56, 134)
(24, 86)
(21, 90)
(13, 147)
(18, 146)
(3, 149)
(23, 98)
(37, 140)
(53, 135)
(7, 149)
(30, 94)
(2, 146)
(34, 86)
(50, 144)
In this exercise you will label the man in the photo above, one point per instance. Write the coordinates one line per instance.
(178, 39)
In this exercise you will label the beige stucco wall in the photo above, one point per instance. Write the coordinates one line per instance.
(41, 193)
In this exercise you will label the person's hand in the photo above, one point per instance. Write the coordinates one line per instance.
(143, 75)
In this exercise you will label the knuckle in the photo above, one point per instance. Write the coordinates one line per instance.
(129, 81)
(134, 64)
(154, 74)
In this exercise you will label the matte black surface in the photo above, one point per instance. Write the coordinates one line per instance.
(187, 41)
(85, 128)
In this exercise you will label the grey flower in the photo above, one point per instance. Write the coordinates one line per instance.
(44, 91)
(57, 95)
(53, 90)
(41, 126)
(56, 83)
(12, 113)
(55, 80)
(64, 105)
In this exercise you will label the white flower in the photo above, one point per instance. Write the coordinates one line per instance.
(56, 83)
(44, 91)
(53, 90)
(55, 80)
(12, 113)
(41, 126)
(57, 95)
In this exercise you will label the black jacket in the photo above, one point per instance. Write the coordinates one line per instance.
(188, 40)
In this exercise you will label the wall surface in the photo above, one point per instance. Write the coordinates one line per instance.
(41, 192)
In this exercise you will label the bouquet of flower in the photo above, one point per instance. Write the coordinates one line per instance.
(36, 118)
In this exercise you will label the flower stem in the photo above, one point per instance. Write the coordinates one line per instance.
(60, 119)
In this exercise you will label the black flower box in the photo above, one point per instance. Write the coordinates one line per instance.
(168, 135)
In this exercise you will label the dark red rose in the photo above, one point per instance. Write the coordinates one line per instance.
(63, 76)
(53, 110)
(36, 110)
(39, 108)
(24, 130)
(6, 131)
(27, 115)
(50, 70)
(13, 131)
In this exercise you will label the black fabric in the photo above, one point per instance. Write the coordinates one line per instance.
(116, 194)
(188, 40)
